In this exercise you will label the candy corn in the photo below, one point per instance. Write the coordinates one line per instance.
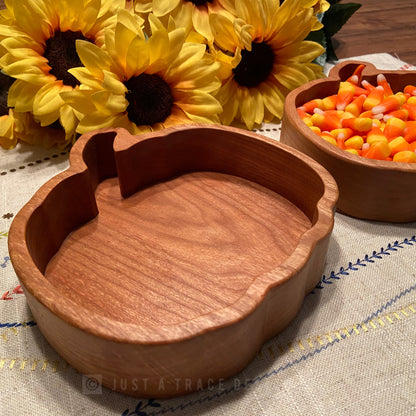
(369, 120)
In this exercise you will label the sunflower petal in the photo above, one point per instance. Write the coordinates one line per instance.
(113, 84)
(29, 17)
(93, 57)
(305, 51)
(7, 137)
(197, 103)
(163, 7)
(86, 78)
(29, 70)
(273, 99)
(21, 95)
(137, 57)
(97, 121)
(201, 24)
(291, 75)
(79, 100)
(48, 101)
(67, 119)
(223, 32)
(108, 103)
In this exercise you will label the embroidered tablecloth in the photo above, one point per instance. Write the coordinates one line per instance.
(350, 351)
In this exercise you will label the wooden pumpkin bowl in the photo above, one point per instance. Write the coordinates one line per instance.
(368, 189)
(167, 259)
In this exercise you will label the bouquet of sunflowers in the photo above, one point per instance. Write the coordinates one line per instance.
(70, 67)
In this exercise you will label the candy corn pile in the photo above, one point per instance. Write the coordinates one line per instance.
(367, 120)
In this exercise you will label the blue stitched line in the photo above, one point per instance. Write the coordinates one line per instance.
(4, 264)
(390, 302)
(17, 324)
(286, 366)
(327, 280)
(243, 385)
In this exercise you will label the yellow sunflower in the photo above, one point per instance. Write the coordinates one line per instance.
(190, 14)
(264, 56)
(8, 137)
(38, 38)
(21, 127)
(144, 83)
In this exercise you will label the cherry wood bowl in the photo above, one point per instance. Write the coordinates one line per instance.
(368, 189)
(167, 259)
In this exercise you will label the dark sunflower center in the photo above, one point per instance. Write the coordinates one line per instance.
(61, 53)
(200, 2)
(5, 84)
(255, 66)
(150, 99)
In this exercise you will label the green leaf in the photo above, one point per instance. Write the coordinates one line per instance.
(337, 16)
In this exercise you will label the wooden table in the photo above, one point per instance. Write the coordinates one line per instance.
(379, 26)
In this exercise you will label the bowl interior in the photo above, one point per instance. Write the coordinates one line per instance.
(163, 229)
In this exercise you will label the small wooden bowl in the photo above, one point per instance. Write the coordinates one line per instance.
(175, 282)
(368, 189)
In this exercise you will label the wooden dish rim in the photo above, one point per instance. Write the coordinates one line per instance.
(323, 145)
(33, 280)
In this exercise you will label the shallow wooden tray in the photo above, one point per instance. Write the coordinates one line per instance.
(368, 189)
(167, 259)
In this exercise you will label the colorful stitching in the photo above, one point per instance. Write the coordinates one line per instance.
(18, 324)
(332, 338)
(32, 364)
(3, 234)
(268, 130)
(10, 295)
(13, 328)
(37, 162)
(363, 263)
(6, 260)
(323, 346)
(368, 324)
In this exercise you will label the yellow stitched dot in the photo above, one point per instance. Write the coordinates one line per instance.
(2, 361)
(381, 321)
(404, 312)
(301, 345)
(338, 335)
(12, 362)
(412, 308)
(271, 352)
(23, 365)
(35, 363)
(389, 319)
(55, 366)
(329, 337)
(372, 324)
(397, 316)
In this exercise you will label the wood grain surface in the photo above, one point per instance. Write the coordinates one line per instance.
(219, 235)
(379, 26)
(177, 250)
